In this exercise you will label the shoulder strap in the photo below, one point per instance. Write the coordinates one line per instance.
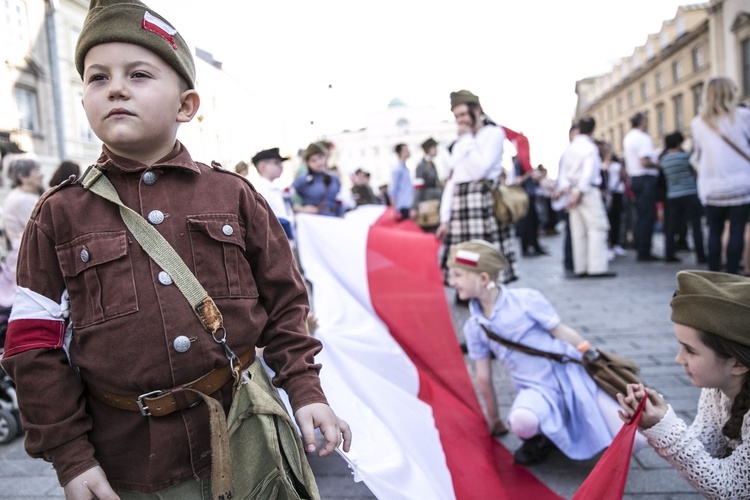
(159, 249)
(728, 141)
(560, 358)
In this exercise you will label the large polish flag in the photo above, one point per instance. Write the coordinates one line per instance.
(392, 366)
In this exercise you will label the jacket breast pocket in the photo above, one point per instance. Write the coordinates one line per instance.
(99, 276)
(218, 246)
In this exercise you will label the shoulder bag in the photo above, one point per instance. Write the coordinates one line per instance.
(728, 141)
(256, 451)
(510, 203)
(612, 373)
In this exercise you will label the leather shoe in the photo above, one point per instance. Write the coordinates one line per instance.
(533, 450)
(672, 259)
(648, 258)
(608, 274)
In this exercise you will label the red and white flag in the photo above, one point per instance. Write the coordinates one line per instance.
(392, 366)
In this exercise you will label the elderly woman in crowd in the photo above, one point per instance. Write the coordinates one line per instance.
(25, 175)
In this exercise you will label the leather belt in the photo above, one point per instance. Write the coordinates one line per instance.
(163, 402)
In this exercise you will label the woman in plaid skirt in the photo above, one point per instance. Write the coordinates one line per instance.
(466, 209)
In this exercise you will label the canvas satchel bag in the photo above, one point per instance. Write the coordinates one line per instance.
(256, 450)
(612, 373)
(510, 203)
(428, 213)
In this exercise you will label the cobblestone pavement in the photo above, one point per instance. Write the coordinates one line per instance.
(628, 315)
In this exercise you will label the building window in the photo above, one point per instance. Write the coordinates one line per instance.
(697, 91)
(676, 71)
(680, 26)
(619, 105)
(659, 82)
(621, 133)
(16, 29)
(644, 91)
(609, 111)
(631, 99)
(746, 66)
(660, 125)
(28, 110)
(679, 116)
(698, 60)
(649, 51)
(664, 39)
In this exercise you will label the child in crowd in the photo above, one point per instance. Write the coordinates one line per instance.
(711, 313)
(133, 332)
(557, 404)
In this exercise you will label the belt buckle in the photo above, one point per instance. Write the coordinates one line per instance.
(144, 408)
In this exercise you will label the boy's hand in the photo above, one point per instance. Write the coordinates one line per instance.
(90, 484)
(652, 414)
(319, 415)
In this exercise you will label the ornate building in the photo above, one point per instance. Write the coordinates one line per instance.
(663, 78)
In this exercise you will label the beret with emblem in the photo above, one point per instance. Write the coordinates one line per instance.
(131, 21)
(478, 256)
(712, 302)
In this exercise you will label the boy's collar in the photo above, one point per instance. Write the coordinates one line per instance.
(179, 157)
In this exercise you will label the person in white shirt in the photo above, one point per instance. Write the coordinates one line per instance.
(643, 171)
(723, 170)
(466, 209)
(268, 163)
(580, 177)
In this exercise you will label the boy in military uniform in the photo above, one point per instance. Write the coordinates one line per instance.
(130, 331)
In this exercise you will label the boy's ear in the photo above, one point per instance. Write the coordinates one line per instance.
(190, 102)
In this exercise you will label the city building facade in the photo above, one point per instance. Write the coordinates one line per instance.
(663, 78)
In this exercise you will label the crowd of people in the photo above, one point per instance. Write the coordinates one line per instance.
(139, 85)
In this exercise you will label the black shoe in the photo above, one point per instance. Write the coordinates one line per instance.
(574, 276)
(608, 274)
(702, 260)
(648, 258)
(672, 259)
(541, 251)
(533, 451)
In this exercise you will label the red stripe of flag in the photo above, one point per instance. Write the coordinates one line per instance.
(407, 294)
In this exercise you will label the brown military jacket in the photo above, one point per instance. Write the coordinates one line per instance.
(126, 318)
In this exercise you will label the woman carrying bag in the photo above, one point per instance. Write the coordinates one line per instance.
(721, 135)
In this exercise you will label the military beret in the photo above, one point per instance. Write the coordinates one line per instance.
(478, 256)
(268, 154)
(131, 21)
(463, 97)
(313, 149)
(429, 143)
(712, 302)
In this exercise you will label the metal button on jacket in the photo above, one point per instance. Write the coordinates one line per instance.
(165, 278)
(181, 343)
(149, 178)
(227, 230)
(85, 256)
(156, 217)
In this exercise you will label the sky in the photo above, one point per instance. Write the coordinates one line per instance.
(334, 62)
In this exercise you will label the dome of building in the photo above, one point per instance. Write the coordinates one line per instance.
(396, 102)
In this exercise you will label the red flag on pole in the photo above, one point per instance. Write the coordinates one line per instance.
(608, 478)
